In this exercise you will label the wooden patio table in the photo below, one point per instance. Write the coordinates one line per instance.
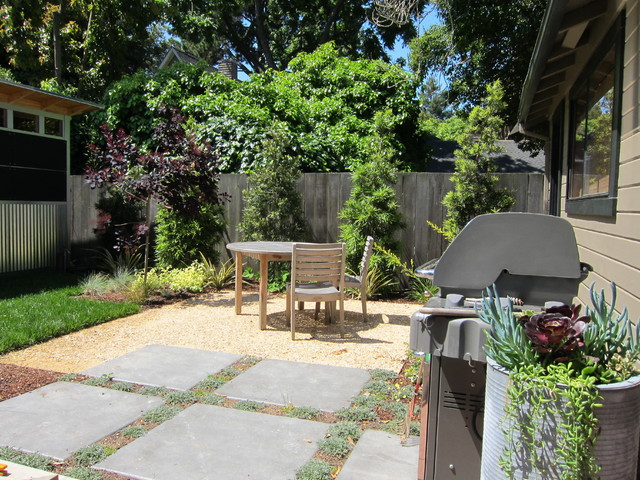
(265, 252)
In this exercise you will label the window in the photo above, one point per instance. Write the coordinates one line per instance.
(3, 118)
(595, 131)
(53, 126)
(27, 122)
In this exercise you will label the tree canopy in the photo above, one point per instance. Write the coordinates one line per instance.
(260, 34)
(83, 45)
(479, 42)
(327, 102)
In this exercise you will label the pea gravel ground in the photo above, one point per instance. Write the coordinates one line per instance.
(209, 322)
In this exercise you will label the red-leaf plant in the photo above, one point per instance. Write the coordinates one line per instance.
(179, 174)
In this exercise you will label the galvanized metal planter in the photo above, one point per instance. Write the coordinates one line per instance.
(616, 449)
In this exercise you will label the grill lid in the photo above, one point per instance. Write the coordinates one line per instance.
(526, 245)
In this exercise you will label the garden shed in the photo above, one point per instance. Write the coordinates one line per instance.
(34, 175)
(582, 97)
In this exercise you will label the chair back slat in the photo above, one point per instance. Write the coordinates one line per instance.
(318, 262)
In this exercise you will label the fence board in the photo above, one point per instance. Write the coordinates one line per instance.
(324, 194)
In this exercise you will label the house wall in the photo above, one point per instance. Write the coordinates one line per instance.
(612, 244)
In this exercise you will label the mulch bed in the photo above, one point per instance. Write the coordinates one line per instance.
(16, 380)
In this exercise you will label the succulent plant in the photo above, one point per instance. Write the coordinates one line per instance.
(556, 331)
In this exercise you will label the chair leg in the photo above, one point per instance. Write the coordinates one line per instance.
(328, 312)
(300, 305)
(316, 312)
(293, 319)
(287, 308)
(342, 317)
(363, 299)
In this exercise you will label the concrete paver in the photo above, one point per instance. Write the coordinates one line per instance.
(20, 472)
(205, 442)
(281, 382)
(164, 366)
(381, 456)
(59, 418)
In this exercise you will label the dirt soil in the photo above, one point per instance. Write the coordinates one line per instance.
(209, 322)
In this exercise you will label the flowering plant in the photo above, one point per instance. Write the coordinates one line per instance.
(601, 343)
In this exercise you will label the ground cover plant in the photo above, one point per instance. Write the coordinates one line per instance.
(37, 306)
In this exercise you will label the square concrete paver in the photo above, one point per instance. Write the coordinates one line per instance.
(281, 382)
(59, 418)
(380, 456)
(164, 366)
(205, 442)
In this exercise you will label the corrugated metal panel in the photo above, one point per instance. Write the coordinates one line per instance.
(31, 235)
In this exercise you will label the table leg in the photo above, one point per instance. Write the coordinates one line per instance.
(238, 283)
(264, 281)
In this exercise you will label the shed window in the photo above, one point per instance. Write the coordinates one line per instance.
(595, 131)
(27, 122)
(53, 126)
(3, 118)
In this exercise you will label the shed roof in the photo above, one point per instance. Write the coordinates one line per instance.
(565, 32)
(31, 97)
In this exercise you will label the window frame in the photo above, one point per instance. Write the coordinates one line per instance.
(599, 204)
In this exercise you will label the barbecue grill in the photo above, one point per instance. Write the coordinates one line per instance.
(529, 257)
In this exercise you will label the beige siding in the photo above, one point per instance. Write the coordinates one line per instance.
(612, 245)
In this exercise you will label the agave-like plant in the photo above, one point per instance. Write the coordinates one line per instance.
(556, 332)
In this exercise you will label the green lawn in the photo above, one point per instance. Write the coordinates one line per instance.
(37, 306)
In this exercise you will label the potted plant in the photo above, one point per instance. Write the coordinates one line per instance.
(562, 393)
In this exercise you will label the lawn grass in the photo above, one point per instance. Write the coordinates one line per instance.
(38, 305)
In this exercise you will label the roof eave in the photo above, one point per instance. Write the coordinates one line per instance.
(31, 97)
(544, 44)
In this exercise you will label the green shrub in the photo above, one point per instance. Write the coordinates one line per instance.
(230, 372)
(345, 430)
(95, 284)
(218, 277)
(377, 387)
(178, 397)
(212, 382)
(90, 455)
(404, 393)
(122, 386)
(249, 405)
(302, 412)
(273, 207)
(414, 428)
(336, 446)
(357, 414)
(397, 409)
(154, 391)
(100, 381)
(161, 414)
(181, 241)
(382, 374)
(67, 377)
(314, 470)
(133, 432)
(367, 401)
(84, 473)
(33, 460)
(212, 399)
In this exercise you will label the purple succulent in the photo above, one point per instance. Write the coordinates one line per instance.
(557, 330)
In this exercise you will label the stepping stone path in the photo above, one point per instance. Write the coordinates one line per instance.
(299, 384)
(163, 366)
(203, 441)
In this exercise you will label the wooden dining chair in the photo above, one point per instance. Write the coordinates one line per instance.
(360, 281)
(317, 275)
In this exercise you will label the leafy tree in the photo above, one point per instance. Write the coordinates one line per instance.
(327, 102)
(182, 240)
(372, 208)
(479, 42)
(177, 173)
(273, 207)
(262, 35)
(84, 45)
(475, 189)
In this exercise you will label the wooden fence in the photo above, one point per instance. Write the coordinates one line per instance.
(419, 196)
